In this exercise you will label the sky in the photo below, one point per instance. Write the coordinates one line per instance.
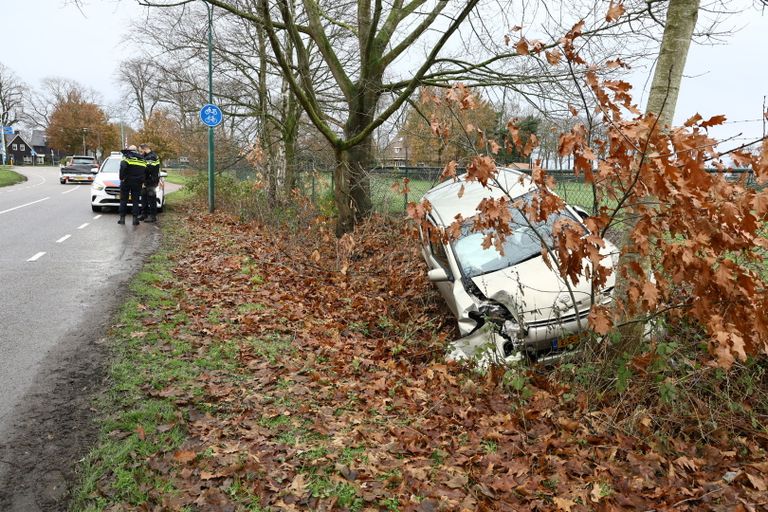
(60, 40)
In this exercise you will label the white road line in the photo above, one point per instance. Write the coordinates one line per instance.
(71, 190)
(97, 217)
(62, 239)
(36, 256)
(82, 226)
(23, 205)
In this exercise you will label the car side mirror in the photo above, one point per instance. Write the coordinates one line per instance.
(438, 275)
(163, 174)
(584, 214)
(94, 170)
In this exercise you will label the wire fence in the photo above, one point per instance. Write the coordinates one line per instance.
(390, 196)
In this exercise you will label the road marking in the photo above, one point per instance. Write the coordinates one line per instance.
(62, 239)
(82, 226)
(36, 256)
(23, 205)
(97, 217)
(71, 190)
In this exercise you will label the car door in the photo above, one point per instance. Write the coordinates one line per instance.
(438, 258)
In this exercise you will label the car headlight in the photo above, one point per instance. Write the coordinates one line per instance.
(98, 186)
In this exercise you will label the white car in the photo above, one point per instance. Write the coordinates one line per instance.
(507, 305)
(105, 190)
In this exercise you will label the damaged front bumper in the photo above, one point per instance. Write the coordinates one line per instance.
(503, 340)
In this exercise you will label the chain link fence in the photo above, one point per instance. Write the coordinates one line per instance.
(389, 195)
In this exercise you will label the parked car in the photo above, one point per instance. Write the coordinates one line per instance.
(105, 190)
(510, 302)
(78, 169)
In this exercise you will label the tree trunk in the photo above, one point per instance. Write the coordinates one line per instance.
(341, 194)
(290, 128)
(354, 201)
(681, 21)
(678, 32)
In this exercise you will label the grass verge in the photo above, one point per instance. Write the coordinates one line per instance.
(136, 422)
(9, 177)
(179, 176)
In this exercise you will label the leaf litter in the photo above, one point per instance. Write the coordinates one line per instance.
(337, 396)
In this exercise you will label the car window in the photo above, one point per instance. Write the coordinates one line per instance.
(83, 161)
(522, 244)
(111, 165)
(438, 252)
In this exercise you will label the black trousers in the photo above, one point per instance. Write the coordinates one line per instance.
(130, 187)
(149, 200)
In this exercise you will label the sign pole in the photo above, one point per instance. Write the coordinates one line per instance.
(2, 140)
(211, 191)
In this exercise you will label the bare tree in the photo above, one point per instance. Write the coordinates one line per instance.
(137, 78)
(40, 104)
(12, 94)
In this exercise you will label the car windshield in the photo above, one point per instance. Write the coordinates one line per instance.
(521, 245)
(112, 165)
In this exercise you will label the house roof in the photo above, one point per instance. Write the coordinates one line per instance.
(38, 139)
(11, 138)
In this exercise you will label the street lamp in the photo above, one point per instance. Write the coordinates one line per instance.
(84, 130)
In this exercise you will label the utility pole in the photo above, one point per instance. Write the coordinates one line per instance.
(84, 130)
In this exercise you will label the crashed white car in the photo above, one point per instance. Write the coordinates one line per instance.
(509, 305)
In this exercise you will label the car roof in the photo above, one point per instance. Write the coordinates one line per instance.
(446, 203)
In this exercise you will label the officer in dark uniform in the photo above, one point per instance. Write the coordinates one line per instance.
(149, 192)
(132, 174)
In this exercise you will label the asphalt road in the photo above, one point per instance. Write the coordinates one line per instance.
(63, 271)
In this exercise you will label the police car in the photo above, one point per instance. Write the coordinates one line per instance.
(105, 190)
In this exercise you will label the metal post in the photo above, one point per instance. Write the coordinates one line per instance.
(405, 190)
(2, 138)
(211, 195)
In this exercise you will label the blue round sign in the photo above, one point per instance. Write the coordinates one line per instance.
(211, 115)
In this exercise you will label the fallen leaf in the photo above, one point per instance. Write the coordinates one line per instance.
(184, 456)
(563, 504)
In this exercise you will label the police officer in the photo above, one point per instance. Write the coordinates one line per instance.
(132, 173)
(152, 180)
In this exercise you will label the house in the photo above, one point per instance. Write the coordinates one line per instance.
(30, 150)
(18, 150)
(42, 152)
(396, 152)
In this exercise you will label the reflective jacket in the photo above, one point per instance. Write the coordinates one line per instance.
(132, 166)
(153, 169)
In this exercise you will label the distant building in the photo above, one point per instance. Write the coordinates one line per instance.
(30, 150)
(396, 152)
(43, 152)
(19, 151)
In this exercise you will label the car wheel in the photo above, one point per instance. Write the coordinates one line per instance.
(95, 208)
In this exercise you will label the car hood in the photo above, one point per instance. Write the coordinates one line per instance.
(535, 293)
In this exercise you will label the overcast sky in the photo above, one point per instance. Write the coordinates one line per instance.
(44, 38)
